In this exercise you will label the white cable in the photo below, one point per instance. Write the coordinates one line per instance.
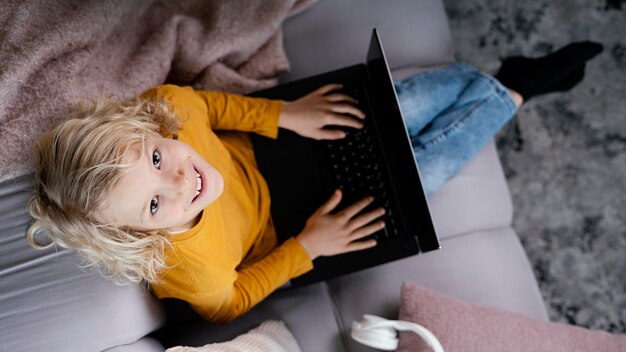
(382, 334)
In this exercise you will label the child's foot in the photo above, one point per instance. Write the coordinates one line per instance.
(558, 71)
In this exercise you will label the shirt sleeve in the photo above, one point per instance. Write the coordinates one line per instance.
(224, 111)
(254, 283)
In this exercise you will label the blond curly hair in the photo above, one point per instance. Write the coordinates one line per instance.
(77, 164)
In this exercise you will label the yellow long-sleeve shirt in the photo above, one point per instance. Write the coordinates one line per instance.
(230, 260)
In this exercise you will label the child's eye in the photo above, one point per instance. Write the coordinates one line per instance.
(154, 204)
(156, 159)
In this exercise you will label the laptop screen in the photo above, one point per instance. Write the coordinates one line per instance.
(388, 108)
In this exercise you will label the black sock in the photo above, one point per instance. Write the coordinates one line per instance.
(557, 71)
(568, 82)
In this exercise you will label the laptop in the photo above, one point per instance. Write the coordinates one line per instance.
(376, 160)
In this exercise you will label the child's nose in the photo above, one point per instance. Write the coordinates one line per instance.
(180, 183)
(183, 178)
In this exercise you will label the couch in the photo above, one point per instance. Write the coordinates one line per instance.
(48, 304)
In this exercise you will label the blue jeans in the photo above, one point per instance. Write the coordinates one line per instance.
(451, 113)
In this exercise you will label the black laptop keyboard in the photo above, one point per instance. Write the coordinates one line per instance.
(357, 164)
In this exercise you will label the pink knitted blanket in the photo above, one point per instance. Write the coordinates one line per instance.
(53, 53)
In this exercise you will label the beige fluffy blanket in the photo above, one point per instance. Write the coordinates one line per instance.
(53, 53)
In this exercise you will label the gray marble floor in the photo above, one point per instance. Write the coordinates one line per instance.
(565, 153)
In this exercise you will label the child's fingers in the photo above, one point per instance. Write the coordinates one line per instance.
(340, 120)
(355, 207)
(330, 204)
(360, 245)
(347, 109)
(366, 218)
(328, 88)
(338, 98)
(329, 134)
(366, 230)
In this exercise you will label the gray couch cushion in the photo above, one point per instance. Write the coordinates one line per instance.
(49, 304)
(333, 34)
(477, 198)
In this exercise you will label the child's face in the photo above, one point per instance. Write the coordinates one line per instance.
(160, 191)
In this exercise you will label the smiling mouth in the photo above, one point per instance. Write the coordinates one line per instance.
(198, 185)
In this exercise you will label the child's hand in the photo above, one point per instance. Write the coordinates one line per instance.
(329, 234)
(309, 115)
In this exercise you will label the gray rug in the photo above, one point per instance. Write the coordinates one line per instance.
(565, 153)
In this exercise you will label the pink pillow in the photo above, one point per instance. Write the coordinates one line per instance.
(466, 327)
